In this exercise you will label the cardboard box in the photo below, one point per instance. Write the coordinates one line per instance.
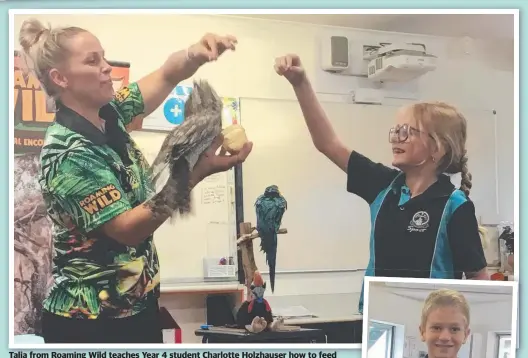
(171, 330)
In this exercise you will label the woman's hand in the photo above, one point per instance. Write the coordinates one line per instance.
(210, 47)
(290, 66)
(180, 66)
(211, 163)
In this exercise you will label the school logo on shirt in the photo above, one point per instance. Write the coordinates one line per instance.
(419, 222)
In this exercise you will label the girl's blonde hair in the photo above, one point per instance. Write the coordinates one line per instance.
(448, 127)
(445, 298)
(44, 48)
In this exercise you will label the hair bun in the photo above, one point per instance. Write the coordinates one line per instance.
(30, 33)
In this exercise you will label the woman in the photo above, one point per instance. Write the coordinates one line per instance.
(422, 226)
(95, 184)
(444, 325)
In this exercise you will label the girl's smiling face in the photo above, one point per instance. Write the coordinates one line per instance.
(445, 331)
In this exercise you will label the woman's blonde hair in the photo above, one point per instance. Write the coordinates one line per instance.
(44, 48)
(445, 298)
(448, 127)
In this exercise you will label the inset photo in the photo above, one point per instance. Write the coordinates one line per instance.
(436, 318)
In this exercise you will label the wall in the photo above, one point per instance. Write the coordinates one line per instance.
(481, 79)
(490, 312)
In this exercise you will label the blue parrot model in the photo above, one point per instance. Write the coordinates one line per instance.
(270, 208)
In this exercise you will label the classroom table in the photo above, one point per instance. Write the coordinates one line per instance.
(336, 314)
(233, 335)
(337, 329)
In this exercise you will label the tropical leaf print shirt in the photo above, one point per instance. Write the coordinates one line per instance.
(88, 178)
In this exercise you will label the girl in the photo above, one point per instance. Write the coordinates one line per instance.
(422, 226)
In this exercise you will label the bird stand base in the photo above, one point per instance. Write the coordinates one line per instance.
(245, 244)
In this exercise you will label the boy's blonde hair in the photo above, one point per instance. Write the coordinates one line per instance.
(448, 127)
(45, 48)
(445, 298)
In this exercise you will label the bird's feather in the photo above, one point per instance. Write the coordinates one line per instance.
(183, 146)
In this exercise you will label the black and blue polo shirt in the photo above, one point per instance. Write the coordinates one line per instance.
(432, 235)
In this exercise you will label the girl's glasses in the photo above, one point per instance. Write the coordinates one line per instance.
(400, 134)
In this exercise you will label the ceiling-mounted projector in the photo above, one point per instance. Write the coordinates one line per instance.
(399, 62)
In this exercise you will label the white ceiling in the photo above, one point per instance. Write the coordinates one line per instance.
(496, 289)
(476, 26)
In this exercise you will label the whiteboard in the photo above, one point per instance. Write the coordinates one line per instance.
(209, 232)
(329, 228)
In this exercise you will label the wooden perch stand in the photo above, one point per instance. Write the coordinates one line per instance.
(245, 243)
